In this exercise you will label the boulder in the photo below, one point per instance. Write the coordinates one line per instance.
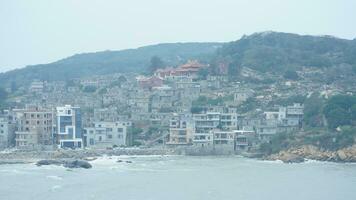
(341, 155)
(49, 162)
(77, 164)
(291, 158)
(66, 163)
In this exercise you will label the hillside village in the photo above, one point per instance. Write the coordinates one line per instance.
(222, 103)
(175, 107)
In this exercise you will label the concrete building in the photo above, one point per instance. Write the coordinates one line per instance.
(34, 127)
(69, 127)
(181, 130)
(107, 134)
(204, 125)
(106, 114)
(37, 86)
(244, 140)
(286, 119)
(224, 142)
(7, 133)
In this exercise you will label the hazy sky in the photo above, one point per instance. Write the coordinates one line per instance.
(43, 31)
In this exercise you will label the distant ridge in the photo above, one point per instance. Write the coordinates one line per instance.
(264, 51)
(106, 62)
(276, 51)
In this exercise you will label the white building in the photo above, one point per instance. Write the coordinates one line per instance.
(37, 86)
(69, 127)
(181, 130)
(107, 134)
(204, 124)
(7, 133)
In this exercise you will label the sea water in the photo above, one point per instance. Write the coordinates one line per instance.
(180, 178)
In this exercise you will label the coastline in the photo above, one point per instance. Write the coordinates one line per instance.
(25, 157)
(292, 155)
(309, 152)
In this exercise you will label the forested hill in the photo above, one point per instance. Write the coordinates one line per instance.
(275, 51)
(106, 62)
(266, 52)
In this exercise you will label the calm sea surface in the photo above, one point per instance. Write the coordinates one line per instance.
(180, 178)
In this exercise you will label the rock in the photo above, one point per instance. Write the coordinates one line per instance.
(10, 162)
(291, 158)
(90, 159)
(66, 163)
(119, 161)
(77, 164)
(341, 155)
(49, 162)
(128, 161)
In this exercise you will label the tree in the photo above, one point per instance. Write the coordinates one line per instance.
(3, 97)
(156, 63)
(291, 75)
(353, 112)
(89, 89)
(313, 107)
(338, 117)
(203, 73)
(122, 79)
(340, 110)
(13, 86)
(233, 70)
(354, 68)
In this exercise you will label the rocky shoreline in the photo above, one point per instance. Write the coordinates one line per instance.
(64, 156)
(71, 158)
(300, 154)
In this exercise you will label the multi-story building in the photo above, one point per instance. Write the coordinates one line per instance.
(286, 119)
(69, 127)
(105, 114)
(34, 127)
(244, 140)
(107, 134)
(7, 132)
(224, 141)
(37, 86)
(181, 130)
(204, 125)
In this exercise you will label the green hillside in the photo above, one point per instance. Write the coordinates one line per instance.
(106, 62)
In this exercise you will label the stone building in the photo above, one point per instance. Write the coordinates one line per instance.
(34, 127)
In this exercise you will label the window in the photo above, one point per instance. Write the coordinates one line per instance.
(119, 136)
(110, 136)
(120, 130)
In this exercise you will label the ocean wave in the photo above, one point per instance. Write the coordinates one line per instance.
(56, 187)
(54, 177)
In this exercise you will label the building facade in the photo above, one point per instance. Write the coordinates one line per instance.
(107, 134)
(181, 130)
(69, 127)
(7, 133)
(34, 127)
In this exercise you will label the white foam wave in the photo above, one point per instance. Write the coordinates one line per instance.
(54, 177)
